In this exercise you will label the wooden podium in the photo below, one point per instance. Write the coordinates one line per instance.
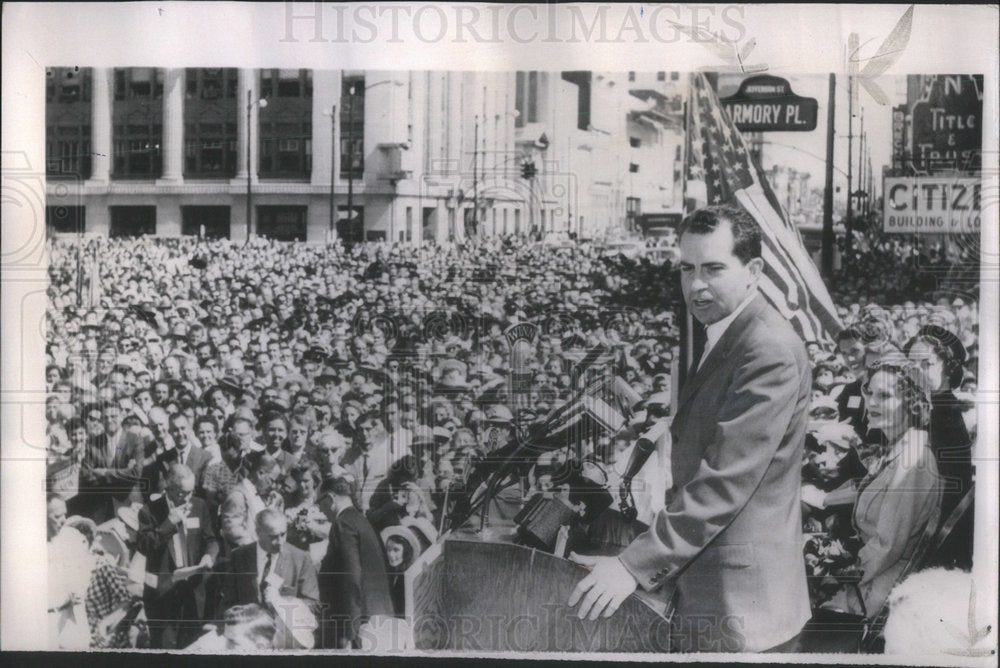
(469, 594)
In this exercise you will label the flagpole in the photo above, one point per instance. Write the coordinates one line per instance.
(686, 348)
(829, 240)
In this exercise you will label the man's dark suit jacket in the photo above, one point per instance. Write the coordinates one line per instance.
(241, 586)
(197, 461)
(730, 536)
(167, 599)
(352, 578)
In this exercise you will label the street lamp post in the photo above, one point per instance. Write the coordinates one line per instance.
(262, 103)
(350, 158)
(349, 154)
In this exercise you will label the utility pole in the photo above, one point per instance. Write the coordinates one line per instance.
(333, 171)
(249, 164)
(862, 193)
(828, 239)
(852, 49)
(475, 177)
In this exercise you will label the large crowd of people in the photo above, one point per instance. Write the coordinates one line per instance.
(251, 442)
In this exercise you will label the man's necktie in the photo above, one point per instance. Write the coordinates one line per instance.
(697, 353)
(263, 577)
(364, 468)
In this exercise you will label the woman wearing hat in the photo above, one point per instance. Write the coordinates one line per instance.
(941, 356)
(901, 493)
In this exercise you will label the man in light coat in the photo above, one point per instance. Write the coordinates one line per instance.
(729, 540)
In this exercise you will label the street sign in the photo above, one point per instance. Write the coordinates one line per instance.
(932, 204)
(766, 103)
(948, 123)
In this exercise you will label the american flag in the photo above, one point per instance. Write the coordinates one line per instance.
(722, 171)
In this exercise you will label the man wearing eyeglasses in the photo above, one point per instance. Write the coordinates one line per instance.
(180, 546)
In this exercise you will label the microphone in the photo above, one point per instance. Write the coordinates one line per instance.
(645, 446)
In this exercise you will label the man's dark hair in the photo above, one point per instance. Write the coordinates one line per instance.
(206, 419)
(368, 416)
(746, 232)
(338, 486)
(851, 333)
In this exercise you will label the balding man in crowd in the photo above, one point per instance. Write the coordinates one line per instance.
(268, 569)
(179, 543)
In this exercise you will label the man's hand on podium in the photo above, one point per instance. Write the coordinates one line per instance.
(605, 588)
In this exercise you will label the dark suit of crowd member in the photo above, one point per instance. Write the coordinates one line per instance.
(729, 541)
(189, 454)
(175, 531)
(248, 574)
(354, 585)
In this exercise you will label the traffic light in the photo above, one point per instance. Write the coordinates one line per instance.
(528, 170)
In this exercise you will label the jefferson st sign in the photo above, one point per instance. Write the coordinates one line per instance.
(767, 104)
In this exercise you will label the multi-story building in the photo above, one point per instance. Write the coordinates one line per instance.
(397, 155)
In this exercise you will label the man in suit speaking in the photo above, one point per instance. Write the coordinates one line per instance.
(728, 541)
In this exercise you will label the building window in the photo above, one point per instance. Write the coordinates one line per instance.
(65, 219)
(631, 76)
(210, 150)
(582, 79)
(210, 114)
(634, 142)
(67, 152)
(132, 221)
(633, 168)
(674, 76)
(68, 84)
(286, 83)
(526, 98)
(137, 150)
(661, 76)
(517, 221)
(68, 115)
(285, 146)
(214, 220)
(409, 224)
(282, 223)
(215, 83)
(352, 128)
(138, 83)
(137, 123)
(286, 149)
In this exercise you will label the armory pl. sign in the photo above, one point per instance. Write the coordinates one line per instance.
(767, 104)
